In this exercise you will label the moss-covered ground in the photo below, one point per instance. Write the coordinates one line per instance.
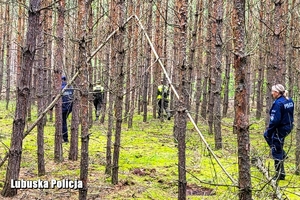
(148, 162)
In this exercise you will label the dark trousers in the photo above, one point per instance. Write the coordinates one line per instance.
(163, 106)
(65, 125)
(97, 104)
(276, 142)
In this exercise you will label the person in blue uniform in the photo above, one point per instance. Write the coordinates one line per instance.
(67, 104)
(280, 125)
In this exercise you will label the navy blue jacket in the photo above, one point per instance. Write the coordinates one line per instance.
(67, 98)
(281, 115)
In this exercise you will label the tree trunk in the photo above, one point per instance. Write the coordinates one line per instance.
(8, 55)
(47, 56)
(158, 46)
(147, 62)
(2, 44)
(198, 64)
(261, 69)
(134, 67)
(206, 65)
(241, 100)
(276, 68)
(217, 70)
(228, 60)
(120, 81)
(181, 118)
(40, 102)
(58, 150)
(211, 60)
(23, 93)
(83, 18)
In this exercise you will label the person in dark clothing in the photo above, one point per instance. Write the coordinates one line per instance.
(98, 94)
(163, 97)
(67, 104)
(280, 125)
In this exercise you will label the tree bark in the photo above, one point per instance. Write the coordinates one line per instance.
(23, 93)
(120, 81)
(261, 69)
(58, 150)
(217, 70)
(147, 62)
(83, 18)
(241, 100)
(40, 101)
(181, 117)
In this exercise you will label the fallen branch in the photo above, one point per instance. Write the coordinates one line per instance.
(260, 166)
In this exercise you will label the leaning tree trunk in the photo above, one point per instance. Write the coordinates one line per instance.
(23, 93)
(241, 100)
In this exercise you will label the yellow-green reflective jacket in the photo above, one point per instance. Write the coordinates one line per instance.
(163, 90)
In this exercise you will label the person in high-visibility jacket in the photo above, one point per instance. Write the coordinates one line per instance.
(163, 97)
(281, 124)
(98, 94)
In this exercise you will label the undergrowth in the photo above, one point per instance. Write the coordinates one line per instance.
(148, 162)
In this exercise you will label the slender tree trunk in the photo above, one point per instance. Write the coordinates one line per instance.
(241, 100)
(276, 68)
(40, 103)
(8, 54)
(206, 65)
(75, 121)
(158, 46)
(83, 16)
(112, 73)
(134, 68)
(105, 74)
(2, 44)
(194, 45)
(120, 81)
(23, 93)
(217, 70)
(147, 62)
(181, 118)
(228, 60)
(211, 60)
(261, 69)
(58, 150)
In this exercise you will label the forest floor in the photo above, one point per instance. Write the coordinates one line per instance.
(148, 162)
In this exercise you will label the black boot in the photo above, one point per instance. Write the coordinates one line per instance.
(279, 167)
